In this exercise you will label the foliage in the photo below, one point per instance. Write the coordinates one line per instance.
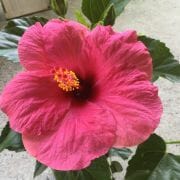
(152, 162)
(59, 7)
(99, 169)
(124, 153)
(119, 5)
(10, 140)
(103, 12)
(81, 19)
(116, 167)
(164, 63)
(99, 11)
(39, 169)
(11, 34)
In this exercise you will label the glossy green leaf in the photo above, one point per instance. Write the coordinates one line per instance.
(116, 167)
(81, 19)
(164, 63)
(39, 169)
(8, 46)
(124, 153)
(19, 25)
(167, 169)
(146, 158)
(59, 7)
(119, 5)
(99, 11)
(12, 32)
(98, 170)
(109, 15)
(94, 9)
(10, 140)
(151, 162)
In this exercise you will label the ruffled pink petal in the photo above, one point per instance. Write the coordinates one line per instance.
(58, 43)
(31, 49)
(34, 103)
(135, 104)
(85, 134)
(119, 48)
(63, 41)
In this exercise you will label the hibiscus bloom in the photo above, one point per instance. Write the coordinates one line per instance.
(81, 93)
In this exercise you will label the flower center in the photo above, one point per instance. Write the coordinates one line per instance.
(66, 79)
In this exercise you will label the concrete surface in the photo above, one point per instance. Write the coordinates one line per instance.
(156, 18)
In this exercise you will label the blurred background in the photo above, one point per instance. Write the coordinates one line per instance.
(158, 19)
(10, 9)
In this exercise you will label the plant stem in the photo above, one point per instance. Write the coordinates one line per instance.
(173, 142)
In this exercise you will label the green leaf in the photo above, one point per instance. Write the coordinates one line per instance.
(164, 63)
(167, 169)
(124, 153)
(109, 15)
(147, 156)
(59, 7)
(18, 26)
(80, 18)
(99, 11)
(119, 5)
(39, 169)
(151, 162)
(94, 9)
(10, 140)
(116, 167)
(12, 32)
(8, 46)
(98, 170)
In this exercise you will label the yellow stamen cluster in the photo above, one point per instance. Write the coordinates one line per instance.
(66, 79)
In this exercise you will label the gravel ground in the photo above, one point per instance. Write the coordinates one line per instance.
(156, 18)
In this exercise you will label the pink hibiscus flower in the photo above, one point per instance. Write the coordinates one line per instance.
(82, 92)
